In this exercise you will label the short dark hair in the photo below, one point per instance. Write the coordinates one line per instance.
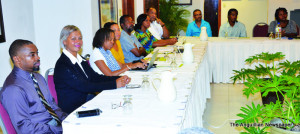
(16, 46)
(232, 10)
(141, 18)
(196, 11)
(122, 19)
(101, 36)
(277, 12)
(148, 9)
(109, 24)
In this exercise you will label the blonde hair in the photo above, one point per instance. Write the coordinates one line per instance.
(65, 32)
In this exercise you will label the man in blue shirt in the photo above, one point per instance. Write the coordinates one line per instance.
(232, 28)
(25, 94)
(194, 28)
(132, 48)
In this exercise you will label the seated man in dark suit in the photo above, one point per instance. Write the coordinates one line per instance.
(75, 81)
(25, 94)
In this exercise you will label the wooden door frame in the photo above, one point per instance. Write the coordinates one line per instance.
(157, 8)
(125, 10)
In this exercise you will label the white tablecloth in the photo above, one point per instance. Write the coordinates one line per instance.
(226, 55)
(149, 115)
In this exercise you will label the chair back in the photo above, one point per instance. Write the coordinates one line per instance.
(87, 58)
(6, 124)
(260, 30)
(50, 81)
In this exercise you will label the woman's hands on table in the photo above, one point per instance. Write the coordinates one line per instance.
(122, 81)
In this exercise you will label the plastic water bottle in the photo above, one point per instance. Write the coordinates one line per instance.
(278, 31)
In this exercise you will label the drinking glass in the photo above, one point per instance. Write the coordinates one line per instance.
(146, 83)
(173, 63)
(127, 104)
(226, 34)
(167, 57)
(271, 36)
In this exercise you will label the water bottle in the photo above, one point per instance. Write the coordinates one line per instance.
(278, 31)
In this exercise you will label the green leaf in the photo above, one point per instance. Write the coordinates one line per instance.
(175, 16)
(284, 79)
(250, 114)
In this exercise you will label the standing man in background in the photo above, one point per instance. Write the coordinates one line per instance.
(157, 27)
(194, 28)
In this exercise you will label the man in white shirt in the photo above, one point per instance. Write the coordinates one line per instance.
(157, 27)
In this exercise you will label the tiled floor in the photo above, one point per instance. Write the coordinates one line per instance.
(226, 101)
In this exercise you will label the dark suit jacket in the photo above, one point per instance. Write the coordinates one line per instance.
(72, 85)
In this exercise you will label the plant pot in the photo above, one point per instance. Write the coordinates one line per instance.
(276, 130)
(271, 97)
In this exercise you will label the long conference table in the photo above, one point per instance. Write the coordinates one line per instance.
(214, 61)
(230, 54)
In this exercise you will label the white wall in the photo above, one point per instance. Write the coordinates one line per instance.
(120, 11)
(251, 12)
(51, 16)
(196, 4)
(138, 8)
(18, 24)
(22, 19)
(95, 16)
(288, 4)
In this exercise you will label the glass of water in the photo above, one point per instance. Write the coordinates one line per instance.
(146, 83)
(226, 34)
(127, 104)
(173, 63)
(167, 57)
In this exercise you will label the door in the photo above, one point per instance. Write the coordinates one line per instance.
(152, 3)
(128, 8)
(211, 15)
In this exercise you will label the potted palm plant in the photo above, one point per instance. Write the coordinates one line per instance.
(174, 15)
(283, 79)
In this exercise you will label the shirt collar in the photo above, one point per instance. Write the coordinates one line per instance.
(125, 33)
(154, 22)
(228, 24)
(196, 23)
(140, 31)
(73, 59)
(22, 73)
(102, 49)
